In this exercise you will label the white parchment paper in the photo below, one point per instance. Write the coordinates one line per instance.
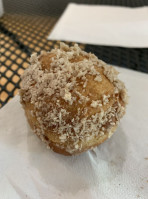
(116, 169)
(103, 25)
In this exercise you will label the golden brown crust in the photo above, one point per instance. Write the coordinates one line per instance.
(52, 145)
(72, 100)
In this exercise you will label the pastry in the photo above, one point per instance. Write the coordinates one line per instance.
(72, 100)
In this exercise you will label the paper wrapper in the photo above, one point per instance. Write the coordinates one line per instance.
(103, 25)
(116, 169)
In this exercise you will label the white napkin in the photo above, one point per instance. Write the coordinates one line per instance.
(103, 25)
(117, 169)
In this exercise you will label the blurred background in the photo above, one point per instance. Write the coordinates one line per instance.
(24, 27)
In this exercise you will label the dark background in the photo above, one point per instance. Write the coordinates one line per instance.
(56, 7)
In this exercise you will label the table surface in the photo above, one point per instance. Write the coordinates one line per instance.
(24, 30)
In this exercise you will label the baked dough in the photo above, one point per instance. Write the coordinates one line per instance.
(73, 101)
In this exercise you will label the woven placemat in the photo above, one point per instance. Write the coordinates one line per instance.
(17, 32)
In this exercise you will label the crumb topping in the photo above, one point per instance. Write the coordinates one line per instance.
(96, 103)
(50, 88)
